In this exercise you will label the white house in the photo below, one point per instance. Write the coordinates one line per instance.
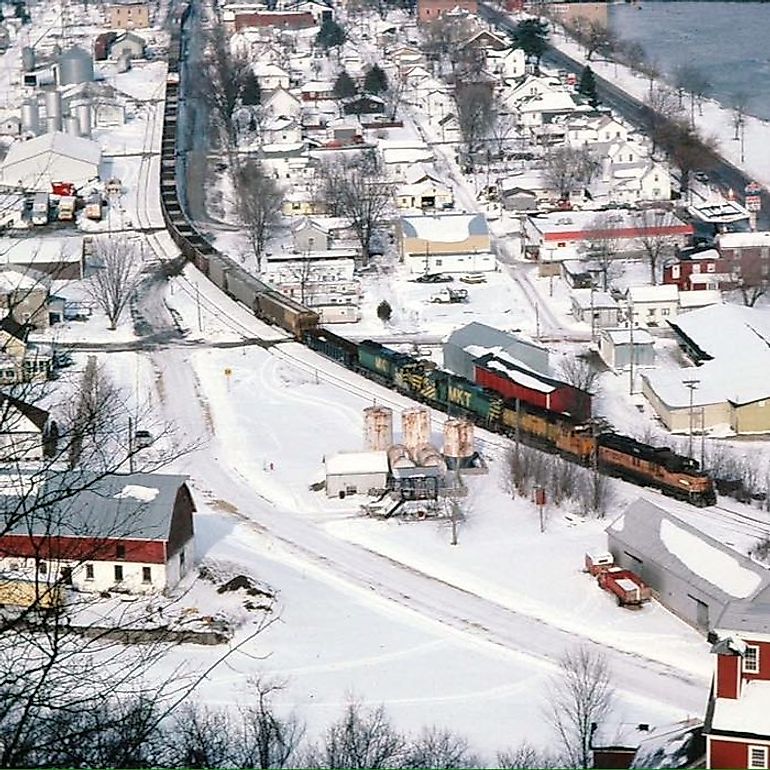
(653, 305)
(351, 473)
(423, 189)
(271, 76)
(54, 157)
(281, 130)
(131, 533)
(509, 64)
(282, 102)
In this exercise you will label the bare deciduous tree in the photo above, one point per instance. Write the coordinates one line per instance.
(604, 246)
(259, 203)
(596, 37)
(118, 273)
(475, 117)
(437, 748)
(523, 757)
(580, 695)
(661, 108)
(740, 103)
(578, 372)
(567, 169)
(362, 738)
(358, 191)
(656, 243)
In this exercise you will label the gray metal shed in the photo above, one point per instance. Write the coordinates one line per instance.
(615, 348)
(475, 340)
(679, 563)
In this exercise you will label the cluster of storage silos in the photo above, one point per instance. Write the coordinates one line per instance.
(416, 449)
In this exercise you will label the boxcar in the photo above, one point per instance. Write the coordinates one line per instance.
(513, 382)
(332, 346)
(275, 308)
(218, 268)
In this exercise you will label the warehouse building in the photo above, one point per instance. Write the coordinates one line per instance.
(619, 348)
(55, 157)
(353, 473)
(476, 340)
(691, 573)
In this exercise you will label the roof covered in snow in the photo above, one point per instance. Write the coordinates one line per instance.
(444, 228)
(665, 292)
(623, 336)
(133, 507)
(671, 746)
(356, 463)
(748, 714)
(671, 544)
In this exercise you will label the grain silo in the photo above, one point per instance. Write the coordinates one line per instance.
(27, 58)
(53, 110)
(75, 66)
(30, 117)
(458, 443)
(71, 125)
(415, 427)
(378, 428)
(82, 110)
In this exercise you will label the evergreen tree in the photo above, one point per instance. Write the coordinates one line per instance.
(331, 35)
(376, 81)
(344, 87)
(251, 91)
(587, 86)
(531, 35)
(384, 311)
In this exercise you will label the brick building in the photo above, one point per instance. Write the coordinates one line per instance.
(430, 10)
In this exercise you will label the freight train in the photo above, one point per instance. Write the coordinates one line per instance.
(533, 420)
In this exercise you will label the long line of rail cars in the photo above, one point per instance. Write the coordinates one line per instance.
(534, 420)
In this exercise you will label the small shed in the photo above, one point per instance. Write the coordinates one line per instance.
(600, 304)
(351, 473)
(618, 350)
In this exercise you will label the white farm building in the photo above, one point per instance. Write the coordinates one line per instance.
(351, 473)
(54, 157)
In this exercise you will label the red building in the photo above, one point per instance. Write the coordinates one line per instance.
(513, 381)
(280, 19)
(698, 270)
(737, 725)
(746, 256)
(430, 10)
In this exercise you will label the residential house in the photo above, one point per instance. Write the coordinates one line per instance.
(271, 76)
(423, 189)
(509, 64)
(364, 104)
(24, 430)
(445, 243)
(128, 14)
(21, 360)
(126, 44)
(102, 45)
(398, 156)
(486, 40)
(320, 11)
(653, 305)
(449, 126)
(697, 270)
(310, 235)
(736, 729)
(282, 103)
(598, 309)
(317, 90)
(130, 533)
(660, 547)
(61, 258)
(622, 348)
(25, 297)
(281, 130)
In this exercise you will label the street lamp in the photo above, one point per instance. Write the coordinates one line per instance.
(692, 385)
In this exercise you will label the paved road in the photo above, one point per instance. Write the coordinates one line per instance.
(724, 175)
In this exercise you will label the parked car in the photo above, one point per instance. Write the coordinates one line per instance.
(434, 278)
(450, 296)
(473, 278)
(142, 439)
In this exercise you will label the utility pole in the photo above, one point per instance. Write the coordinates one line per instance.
(692, 385)
(198, 304)
(537, 321)
(130, 445)
(702, 437)
(631, 343)
(593, 320)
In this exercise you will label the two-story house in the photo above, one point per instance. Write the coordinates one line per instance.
(737, 726)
